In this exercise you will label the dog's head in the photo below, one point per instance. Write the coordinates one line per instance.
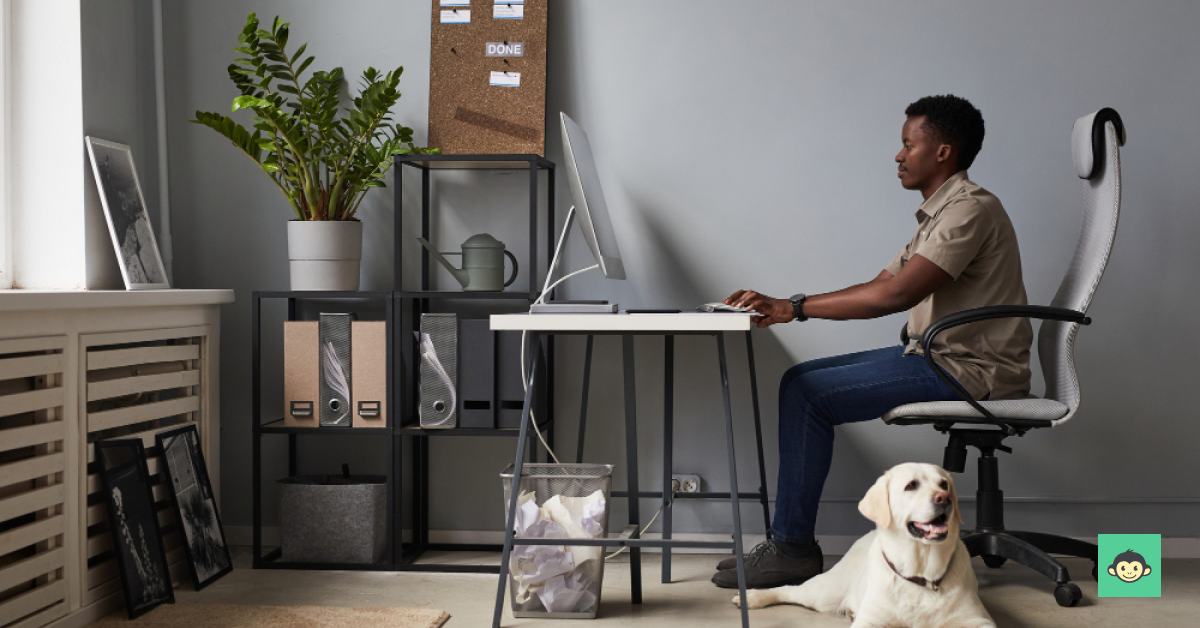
(917, 499)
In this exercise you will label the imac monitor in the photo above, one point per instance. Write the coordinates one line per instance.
(589, 199)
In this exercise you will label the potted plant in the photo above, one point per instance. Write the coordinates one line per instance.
(323, 162)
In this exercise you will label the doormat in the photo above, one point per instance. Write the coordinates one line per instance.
(238, 615)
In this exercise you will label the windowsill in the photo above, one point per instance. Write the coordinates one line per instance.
(18, 300)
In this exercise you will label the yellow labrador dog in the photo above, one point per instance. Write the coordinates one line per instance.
(912, 571)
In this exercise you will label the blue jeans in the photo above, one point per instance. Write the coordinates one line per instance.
(816, 395)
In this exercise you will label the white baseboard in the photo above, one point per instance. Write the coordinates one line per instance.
(836, 544)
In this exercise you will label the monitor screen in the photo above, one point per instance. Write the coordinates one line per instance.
(590, 208)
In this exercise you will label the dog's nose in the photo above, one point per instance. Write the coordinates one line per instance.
(941, 498)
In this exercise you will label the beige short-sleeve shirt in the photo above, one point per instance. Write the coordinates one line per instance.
(964, 229)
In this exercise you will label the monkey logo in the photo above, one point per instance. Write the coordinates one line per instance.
(1129, 566)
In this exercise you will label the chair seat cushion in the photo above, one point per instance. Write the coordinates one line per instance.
(1028, 408)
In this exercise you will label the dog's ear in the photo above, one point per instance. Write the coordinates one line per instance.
(876, 505)
(954, 500)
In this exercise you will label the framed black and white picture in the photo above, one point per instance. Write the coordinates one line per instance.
(128, 221)
(137, 541)
(205, 539)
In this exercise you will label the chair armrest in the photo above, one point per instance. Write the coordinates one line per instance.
(988, 313)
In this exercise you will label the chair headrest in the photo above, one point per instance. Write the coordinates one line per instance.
(1087, 141)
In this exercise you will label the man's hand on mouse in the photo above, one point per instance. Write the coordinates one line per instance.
(771, 310)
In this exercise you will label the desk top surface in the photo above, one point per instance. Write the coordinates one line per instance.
(684, 322)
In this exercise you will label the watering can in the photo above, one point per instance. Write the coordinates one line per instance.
(482, 266)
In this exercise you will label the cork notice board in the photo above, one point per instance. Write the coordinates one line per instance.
(469, 115)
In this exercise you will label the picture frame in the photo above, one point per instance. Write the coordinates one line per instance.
(204, 537)
(133, 523)
(125, 211)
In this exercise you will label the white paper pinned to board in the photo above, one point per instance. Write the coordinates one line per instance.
(508, 11)
(506, 79)
(456, 16)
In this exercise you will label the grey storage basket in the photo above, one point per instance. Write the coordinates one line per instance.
(565, 481)
(333, 519)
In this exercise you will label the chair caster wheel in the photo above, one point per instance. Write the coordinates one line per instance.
(1094, 573)
(994, 561)
(1067, 594)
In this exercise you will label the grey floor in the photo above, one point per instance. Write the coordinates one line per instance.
(1014, 595)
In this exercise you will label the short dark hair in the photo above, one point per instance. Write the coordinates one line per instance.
(954, 121)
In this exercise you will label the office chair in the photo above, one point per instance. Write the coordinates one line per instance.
(1095, 141)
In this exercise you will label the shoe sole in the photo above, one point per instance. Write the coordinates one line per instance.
(773, 585)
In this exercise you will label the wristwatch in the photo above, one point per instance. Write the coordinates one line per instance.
(798, 306)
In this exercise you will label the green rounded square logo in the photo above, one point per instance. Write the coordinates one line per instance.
(1130, 565)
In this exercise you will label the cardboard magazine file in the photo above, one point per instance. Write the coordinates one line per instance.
(368, 363)
(301, 373)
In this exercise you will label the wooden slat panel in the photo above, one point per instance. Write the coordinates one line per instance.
(141, 355)
(91, 341)
(42, 399)
(31, 501)
(102, 591)
(98, 544)
(30, 366)
(25, 345)
(30, 533)
(144, 383)
(32, 601)
(102, 572)
(32, 567)
(145, 412)
(43, 618)
(36, 434)
(31, 468)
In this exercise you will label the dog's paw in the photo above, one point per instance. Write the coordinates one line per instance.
(755, 599)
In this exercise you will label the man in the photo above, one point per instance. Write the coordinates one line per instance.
(964, 255)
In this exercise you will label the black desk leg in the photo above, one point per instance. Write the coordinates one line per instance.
(668, 449)
(733, 483)
(762, 466)
(587, 378)
(514, 492)
(635, 554)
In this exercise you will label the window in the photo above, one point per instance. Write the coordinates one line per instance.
(5, 215)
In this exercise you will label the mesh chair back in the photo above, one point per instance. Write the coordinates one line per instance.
(1095, 144)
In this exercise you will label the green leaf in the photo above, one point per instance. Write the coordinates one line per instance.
(250, 102)
(304, 65)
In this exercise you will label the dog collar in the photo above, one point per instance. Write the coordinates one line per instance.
(918, 580)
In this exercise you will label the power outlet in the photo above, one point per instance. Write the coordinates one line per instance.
(685, 483)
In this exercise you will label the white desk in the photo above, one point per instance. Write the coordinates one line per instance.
(627, 326)
(624, 323)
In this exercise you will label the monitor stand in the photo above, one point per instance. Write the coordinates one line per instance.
(574, 307)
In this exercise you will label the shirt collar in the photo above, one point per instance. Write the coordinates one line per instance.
(937, 200)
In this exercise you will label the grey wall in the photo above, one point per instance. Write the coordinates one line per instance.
(752, 147)
(118, 83)
(117, 42)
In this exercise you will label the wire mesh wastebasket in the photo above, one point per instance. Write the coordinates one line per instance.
(558, 501)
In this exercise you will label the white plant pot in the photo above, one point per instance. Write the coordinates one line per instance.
(325, 254)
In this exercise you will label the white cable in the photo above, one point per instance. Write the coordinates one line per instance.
(546, 288)
(524, 382)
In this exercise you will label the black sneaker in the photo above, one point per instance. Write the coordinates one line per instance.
(767, 566)
(731, 563)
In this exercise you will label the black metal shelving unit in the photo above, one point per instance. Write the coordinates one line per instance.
(402, 373)
(424, 301)
(273, 559)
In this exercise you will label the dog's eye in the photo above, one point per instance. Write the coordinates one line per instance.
(912, 486)
(944, 485)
